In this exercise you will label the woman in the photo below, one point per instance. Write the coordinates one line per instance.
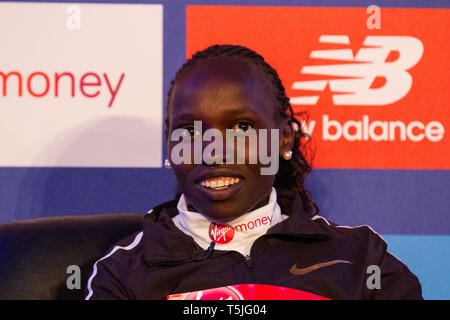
(233, 232)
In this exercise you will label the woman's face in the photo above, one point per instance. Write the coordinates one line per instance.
(225, 94)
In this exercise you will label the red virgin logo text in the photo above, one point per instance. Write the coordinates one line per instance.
(221, 233)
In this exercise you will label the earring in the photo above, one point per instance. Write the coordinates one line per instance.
(287, 155)
(167, 164)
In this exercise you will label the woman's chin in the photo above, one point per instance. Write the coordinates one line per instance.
(221, 212)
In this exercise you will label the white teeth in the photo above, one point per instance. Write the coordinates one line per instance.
(219, 182)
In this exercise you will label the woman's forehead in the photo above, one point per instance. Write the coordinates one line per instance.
(222, 83)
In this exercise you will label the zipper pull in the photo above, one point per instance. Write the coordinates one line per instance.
(202, 255)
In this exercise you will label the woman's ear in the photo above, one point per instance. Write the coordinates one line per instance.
(286, 136)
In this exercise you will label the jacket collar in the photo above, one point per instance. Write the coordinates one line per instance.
(299, 223)
(165, 244)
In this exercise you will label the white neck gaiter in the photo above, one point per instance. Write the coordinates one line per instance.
(238, 234)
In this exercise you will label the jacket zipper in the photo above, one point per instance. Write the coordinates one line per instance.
(248, 259)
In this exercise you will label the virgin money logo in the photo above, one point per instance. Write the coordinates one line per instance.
(86, 96)
(40, 84)
(358, 74)
(221, 233)
(254, 224)
(247, 291)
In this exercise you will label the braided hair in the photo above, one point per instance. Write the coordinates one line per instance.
(291, 173)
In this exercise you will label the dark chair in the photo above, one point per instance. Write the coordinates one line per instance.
(35, 254)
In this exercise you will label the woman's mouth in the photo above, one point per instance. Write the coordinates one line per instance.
(220, 188)
(218, 183)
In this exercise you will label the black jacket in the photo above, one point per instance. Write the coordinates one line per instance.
(161, 260)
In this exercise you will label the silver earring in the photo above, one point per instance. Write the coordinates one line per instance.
(287, 155)
(167, 164)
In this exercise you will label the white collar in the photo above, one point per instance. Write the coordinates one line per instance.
(240, 233)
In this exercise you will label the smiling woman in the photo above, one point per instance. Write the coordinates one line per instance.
(225, 91)
(235, 231)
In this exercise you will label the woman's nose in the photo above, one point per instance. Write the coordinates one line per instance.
(215, 153)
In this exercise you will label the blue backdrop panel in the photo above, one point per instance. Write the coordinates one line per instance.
(428, 257)
(382, 199)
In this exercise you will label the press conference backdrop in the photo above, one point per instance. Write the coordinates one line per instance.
(84, 84)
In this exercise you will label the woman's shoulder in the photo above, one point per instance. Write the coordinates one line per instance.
(124, 250)
(362, 237)
(132, 243)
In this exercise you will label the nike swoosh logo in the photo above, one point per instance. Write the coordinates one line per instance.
(301, 271)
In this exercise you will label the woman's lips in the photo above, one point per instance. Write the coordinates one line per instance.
(220, 188)
(219, 182)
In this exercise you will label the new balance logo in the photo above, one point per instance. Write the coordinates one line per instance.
(352, 82)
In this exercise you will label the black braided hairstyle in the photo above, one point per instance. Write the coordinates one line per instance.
(291, 173)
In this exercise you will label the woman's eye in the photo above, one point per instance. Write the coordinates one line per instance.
(244, 126)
